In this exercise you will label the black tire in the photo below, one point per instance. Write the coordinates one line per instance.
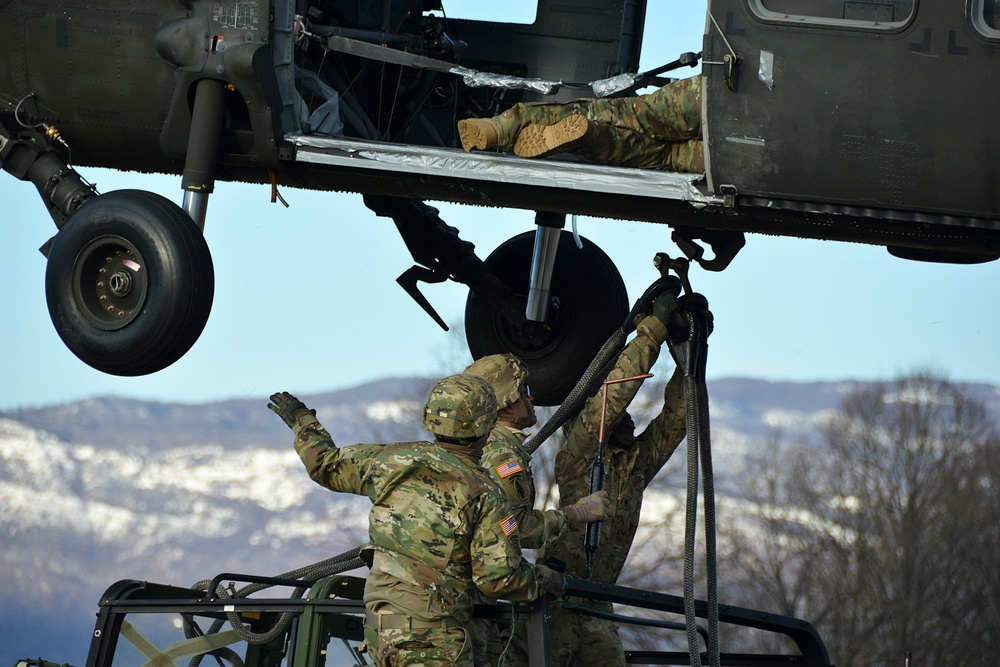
(589, 302)
(129, 283)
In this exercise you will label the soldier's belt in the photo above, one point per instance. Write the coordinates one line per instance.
(404, 622)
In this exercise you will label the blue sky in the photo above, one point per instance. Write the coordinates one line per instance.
(306, 298)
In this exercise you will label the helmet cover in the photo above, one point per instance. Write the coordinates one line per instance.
(506, 373)
(461, 406)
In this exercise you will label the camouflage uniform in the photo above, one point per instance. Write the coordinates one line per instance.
(439, 529)
(660, 130)
(506, 461)
(577, 639)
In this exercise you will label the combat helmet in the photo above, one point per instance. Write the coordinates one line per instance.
(461, 406)
(506, 373)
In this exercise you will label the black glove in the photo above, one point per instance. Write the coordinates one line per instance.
(288, 407)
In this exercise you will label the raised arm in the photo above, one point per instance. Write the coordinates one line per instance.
(338, 469)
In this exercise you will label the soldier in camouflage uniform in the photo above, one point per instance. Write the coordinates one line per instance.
(631, 463)
(507, 463)
(439, 528)
(661, 130)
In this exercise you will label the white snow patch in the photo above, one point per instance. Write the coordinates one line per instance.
(391, 410)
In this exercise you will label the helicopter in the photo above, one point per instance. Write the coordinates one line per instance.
(822, 119)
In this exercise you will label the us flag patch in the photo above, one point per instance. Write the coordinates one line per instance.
(508, 525)
(508, 469)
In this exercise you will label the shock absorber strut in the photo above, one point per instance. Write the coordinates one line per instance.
(543, 261)
(207, 117)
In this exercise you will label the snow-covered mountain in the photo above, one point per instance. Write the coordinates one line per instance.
(96, 491)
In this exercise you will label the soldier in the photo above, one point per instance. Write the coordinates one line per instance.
(439, 528)
(507, 463)
(631, 463)
(661, 130)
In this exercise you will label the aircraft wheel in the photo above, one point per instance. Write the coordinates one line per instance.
(129, 283)
(588, 303)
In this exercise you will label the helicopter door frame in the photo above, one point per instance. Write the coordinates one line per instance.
(873, 109)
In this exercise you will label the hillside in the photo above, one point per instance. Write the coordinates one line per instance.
(110, 488)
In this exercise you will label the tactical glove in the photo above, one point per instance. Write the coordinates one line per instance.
(664, 307)
(288, 408)
(551, 582)
(589, 509)
(669, 310)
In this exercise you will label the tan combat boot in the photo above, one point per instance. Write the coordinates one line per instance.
(565, 136)
(478, 133)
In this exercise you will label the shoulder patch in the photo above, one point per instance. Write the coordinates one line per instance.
(509, 468)
(508, 525)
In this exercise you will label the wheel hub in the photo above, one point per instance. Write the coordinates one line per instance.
(534, 339)
(109, 283)
(120, 283)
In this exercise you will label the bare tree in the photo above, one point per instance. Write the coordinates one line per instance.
(889, 541)
(773, 547)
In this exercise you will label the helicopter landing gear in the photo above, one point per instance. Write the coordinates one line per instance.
(129, 283)
(586, 300)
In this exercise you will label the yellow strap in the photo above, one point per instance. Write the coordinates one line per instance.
(182, 649)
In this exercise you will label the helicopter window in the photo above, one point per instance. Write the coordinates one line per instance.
(858, 13)
(986, 17)
(511, 11)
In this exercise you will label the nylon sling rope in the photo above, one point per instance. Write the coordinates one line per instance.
(598, 369)
(691, 356)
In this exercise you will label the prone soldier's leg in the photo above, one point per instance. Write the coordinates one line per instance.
(670, 113)
(509, 124)
(608, 144)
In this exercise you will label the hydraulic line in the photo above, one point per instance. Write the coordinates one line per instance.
(38, 157)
